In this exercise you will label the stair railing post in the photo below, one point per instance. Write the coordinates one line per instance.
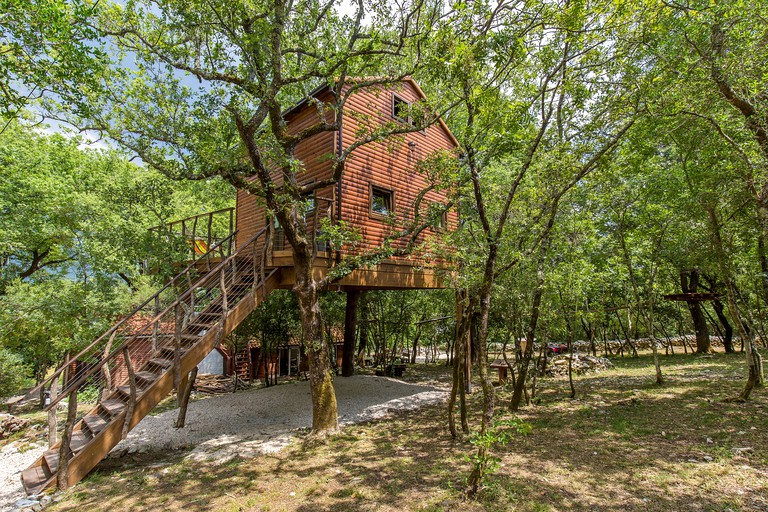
(105, 366)
(209, 240)
(156, 326)
(184, 235)
(223, 292)
(177, 346)
(231, 226)
(191, 295)
(194, 239)
(132, 397)
(52, 422)
(65, 450)
(253, 259)
(233, 265)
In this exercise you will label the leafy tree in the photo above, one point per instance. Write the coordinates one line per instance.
(531, 131)
(73, 239)
(47, 49)
(247, 62)
(720, 52)
(13, 372)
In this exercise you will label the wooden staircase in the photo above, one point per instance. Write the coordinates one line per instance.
(142, 358)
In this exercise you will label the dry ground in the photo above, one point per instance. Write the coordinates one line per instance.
(624, 445)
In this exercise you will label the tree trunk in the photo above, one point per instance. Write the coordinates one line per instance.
(458, 387)
(489, 399)
(728, 337)
(689, 282)
(754, 362)
(324, 406)
(52, 421)
(517, 394)
(415, 348)
(362, 348)
(350, 331)
(189, 383)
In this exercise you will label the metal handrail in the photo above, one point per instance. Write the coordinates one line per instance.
(118, 350)
(114, 328)
(192, 217)
(207, 233)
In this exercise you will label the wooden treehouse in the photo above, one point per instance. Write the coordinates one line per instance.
(123, 374)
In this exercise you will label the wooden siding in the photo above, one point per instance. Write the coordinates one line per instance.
(313, 152)
(389, 165)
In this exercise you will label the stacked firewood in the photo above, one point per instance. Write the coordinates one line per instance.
(217, 384)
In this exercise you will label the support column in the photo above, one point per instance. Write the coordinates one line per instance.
(350, 329)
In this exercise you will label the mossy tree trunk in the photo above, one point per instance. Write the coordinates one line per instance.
(324, 407)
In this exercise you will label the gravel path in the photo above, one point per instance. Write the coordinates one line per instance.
(245, 423)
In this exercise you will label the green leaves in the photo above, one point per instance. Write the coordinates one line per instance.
(47, 48)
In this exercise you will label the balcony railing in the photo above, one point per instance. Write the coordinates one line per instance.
(199, 233)
(324, 208)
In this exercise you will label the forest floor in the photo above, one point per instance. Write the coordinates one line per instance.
(625, 444)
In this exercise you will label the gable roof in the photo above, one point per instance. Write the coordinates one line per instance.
(326, 88)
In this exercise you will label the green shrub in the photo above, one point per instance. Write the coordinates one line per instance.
(13, 373)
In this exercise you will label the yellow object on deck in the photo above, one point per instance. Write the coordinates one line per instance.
(200, 246)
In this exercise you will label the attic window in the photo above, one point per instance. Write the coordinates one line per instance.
(439, 217)
(309, 201)
(382, 201)
(400, 109)
(441, 222)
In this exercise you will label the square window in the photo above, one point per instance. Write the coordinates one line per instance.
(381, 201)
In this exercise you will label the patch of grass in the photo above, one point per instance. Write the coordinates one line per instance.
(624, 444)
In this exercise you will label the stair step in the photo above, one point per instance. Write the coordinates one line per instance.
(34, 478)
(204, 323)
(125, 390)
(80, 438)
(168, 352)
(51, 458)
(207, 316)
(113, 406)
(147, 377)
(184, 338)
(199, 330)
(160, 362)
(95, 423)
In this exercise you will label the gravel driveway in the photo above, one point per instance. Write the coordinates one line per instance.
(245, 423)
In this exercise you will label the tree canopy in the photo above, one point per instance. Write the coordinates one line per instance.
(610, 151)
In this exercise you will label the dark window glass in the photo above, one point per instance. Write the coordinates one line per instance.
(381, 201)
(400, 109)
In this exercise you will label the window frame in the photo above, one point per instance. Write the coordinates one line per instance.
(372, 189)
(396, 99)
